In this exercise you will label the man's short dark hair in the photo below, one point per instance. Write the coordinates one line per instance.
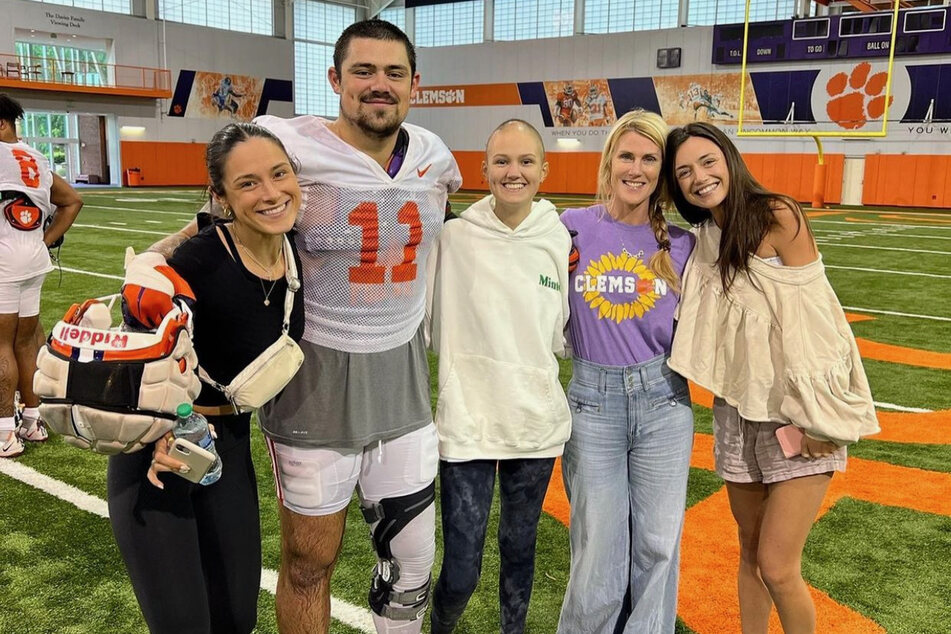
(10, 109)
(374, 29)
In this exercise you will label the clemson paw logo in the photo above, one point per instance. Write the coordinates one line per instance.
(857, 97)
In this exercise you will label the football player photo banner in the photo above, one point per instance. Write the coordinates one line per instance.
(223, 96)
(714, 98)
(580, 103)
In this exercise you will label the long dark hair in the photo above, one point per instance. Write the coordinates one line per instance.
(220, 146)
(747, 208)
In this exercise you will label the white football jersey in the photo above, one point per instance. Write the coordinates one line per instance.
(22, 252)
(364, 237)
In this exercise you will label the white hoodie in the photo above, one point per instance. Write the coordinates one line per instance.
(497, 304)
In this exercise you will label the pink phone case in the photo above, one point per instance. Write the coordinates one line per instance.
(790, 440)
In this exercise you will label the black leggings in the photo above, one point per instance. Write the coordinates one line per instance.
(193, 553)
(466, 490)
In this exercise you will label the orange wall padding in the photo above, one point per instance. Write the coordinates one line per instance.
(792, 174)
(165, 163)
(577, 173)
(907, 181)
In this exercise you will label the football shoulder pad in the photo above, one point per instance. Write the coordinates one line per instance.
(115, 391)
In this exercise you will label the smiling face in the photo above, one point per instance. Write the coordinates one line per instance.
(515, 166)
(635, 170)
(702, 173)
(375, 84)
(260, 187)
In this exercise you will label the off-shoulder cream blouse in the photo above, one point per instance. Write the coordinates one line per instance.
(777, 346)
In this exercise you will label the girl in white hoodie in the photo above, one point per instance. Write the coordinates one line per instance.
(498, 304)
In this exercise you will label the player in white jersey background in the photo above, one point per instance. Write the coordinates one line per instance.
(30, 193)
(358, 413)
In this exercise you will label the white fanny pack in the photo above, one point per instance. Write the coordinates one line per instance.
(273, 369)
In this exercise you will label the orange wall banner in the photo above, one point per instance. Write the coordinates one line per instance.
(462, 96)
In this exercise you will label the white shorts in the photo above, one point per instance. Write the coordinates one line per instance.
(23, 297)
(321, 481)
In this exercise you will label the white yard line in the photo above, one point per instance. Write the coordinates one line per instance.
(184, 214)
(901, 408)
(868, 246)
(341, 610)
(814, 221)
(874, 234)
(93, 273)
(138, 192)
(97, 227)
(859, 268)
(896, 314)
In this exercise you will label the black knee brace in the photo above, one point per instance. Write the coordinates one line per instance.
(393, 514)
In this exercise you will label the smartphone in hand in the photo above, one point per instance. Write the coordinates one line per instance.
(790, 440)
(199, 460)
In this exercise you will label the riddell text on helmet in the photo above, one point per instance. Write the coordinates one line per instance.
(92, 337)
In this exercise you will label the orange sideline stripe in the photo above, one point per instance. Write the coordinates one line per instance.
(912, 218)
(905, 356)
(931, 428)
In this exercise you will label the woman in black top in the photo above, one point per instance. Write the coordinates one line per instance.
(194, 552)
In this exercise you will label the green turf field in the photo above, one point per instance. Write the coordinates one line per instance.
(880, 555)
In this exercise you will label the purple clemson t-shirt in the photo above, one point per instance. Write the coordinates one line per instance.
(622, 313)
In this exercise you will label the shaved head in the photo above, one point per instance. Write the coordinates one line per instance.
(518, 124)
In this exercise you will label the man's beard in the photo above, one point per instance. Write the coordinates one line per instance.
(379, 125)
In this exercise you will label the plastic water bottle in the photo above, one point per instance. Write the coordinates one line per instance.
(193, 427)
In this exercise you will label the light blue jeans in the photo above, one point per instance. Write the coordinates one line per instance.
(625, 470)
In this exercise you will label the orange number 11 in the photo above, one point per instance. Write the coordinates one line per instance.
(366, 217)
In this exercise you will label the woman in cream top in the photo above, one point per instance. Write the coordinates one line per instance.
(760, 327)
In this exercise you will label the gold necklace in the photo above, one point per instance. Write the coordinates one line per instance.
(267, 270)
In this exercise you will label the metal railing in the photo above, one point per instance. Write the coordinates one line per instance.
(49, 70)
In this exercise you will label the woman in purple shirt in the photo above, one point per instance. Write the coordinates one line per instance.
(625, 466)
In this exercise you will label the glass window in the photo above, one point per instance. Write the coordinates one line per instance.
(246, 16)
(616, 16)
(317, 25)
(707, 12)
(114, 6)
(450, 24)
(51, 62)
(395, 15)
(530, 19)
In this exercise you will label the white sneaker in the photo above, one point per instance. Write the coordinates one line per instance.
(33, 431)
(10, 446)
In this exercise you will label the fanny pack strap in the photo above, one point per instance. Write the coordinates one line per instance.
(293, 285)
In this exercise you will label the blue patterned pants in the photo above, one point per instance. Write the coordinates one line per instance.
(466, 490)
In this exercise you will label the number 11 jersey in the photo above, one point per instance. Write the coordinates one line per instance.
(364, 236)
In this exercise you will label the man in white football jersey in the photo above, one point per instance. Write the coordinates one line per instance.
(358, 413)
(29, 194)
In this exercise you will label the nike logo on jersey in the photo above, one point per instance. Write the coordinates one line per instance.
(422, 172)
